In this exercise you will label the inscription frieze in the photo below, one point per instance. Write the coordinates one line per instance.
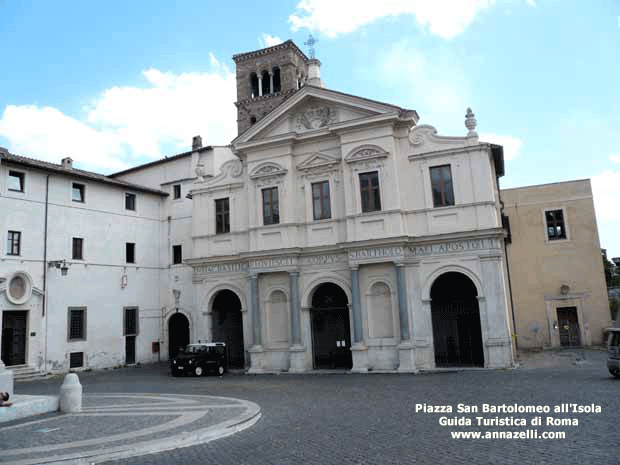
(376, 252)
(324, 260)
(221, 268)
(272, 262)
(452, 246)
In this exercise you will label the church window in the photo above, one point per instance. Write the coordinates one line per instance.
(277, 85)
(271, 209)
(265, 83)
(222, 216)
(441, 184)
(369, 189)
(254, 85)
(320, 200)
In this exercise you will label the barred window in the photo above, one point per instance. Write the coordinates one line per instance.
(78, 246)
(77, 324)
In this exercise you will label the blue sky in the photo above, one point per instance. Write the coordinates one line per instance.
(119, 83)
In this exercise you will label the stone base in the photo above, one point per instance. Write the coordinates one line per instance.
(360, 358)
(499, 355)
(298, 355)
(257, 362)
(406, 356)
(28, 406)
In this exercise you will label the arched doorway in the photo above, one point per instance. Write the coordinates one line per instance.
(227, 326)
(331, 333)
(456, 321)
(178, 333)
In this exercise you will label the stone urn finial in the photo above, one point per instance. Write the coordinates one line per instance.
(470, 122)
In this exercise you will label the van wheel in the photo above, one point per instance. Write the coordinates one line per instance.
(198, 371)
(615, 372)
(220, 370)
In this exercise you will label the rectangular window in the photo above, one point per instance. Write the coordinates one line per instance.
(441, 184)
(222, 216)
(555, 225)
(16, 181)
(78, 192)
(176, 191)
(320, 200)
(271, 210)
(78, 245)
(177, 254)
(130, 252)
(77, 324)
(369, 189)
(130, 201)
(14, 243)
(76, 359)
(130, 324)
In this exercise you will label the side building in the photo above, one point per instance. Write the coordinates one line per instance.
(556, 270)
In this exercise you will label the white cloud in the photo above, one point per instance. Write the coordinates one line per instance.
(267, 40)
(512, 145)
(531, 2)
(615, 158)
(126, 122)
(606, 191)
(435, 85)
(48, 134)
(444, 18)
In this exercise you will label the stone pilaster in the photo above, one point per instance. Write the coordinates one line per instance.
(359, 350)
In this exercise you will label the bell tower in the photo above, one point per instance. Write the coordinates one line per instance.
(267, 77)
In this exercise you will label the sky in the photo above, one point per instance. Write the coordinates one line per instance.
(114, 84)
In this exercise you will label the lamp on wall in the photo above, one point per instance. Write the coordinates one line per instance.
(62, 265)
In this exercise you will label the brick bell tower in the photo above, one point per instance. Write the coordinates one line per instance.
(267, 77)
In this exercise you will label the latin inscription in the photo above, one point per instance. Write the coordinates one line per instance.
(453, 246)
(377, 252)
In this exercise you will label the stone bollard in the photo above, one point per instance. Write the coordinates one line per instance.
(71, 394)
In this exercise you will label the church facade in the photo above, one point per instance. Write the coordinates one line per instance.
(334, 232)
(344, 236)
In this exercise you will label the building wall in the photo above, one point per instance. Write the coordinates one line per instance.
(102, 282)
(539, 267)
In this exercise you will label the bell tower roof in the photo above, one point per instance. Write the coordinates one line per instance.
(267, 77)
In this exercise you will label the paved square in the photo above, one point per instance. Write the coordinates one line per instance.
(372, 419)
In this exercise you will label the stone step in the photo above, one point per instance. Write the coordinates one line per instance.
(24, 372)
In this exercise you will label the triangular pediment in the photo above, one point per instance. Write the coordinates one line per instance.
(313, 110)
(318, 160)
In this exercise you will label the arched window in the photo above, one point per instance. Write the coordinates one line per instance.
(276, 79)
(254, 85)
(265, 82)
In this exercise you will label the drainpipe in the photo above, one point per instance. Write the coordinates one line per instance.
(512, 306)
(47, 186)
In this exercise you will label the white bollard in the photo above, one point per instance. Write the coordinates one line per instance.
(71, 394)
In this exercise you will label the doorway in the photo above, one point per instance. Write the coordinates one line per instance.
(14, 329)
(227, 326)
(568, 323)
(456, 321)
(178, 334)
(331, 333)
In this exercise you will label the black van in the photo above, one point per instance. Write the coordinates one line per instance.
(198, 359)
(613, 352)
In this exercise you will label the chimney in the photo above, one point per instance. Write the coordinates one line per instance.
(67, 163)
(196, 143)
(314, 73)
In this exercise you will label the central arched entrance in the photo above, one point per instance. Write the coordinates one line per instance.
(331, 334)
(178, 334)
(227, 326)
(456, 321)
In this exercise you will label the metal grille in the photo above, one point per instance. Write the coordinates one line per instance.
(76, 359)
(77, 324)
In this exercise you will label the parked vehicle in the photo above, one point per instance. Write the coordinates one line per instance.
(200, 358)
(613, 352)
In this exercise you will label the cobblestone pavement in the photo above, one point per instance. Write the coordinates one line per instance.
(372, 419)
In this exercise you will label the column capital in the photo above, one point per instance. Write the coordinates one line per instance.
(354, 267)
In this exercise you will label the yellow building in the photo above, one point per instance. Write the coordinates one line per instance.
(556, 271)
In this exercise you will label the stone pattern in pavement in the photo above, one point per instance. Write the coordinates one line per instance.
(371, 419)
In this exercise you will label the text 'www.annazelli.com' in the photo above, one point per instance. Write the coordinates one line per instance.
(527, 434)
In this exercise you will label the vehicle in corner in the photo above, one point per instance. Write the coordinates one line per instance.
(200, 358)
